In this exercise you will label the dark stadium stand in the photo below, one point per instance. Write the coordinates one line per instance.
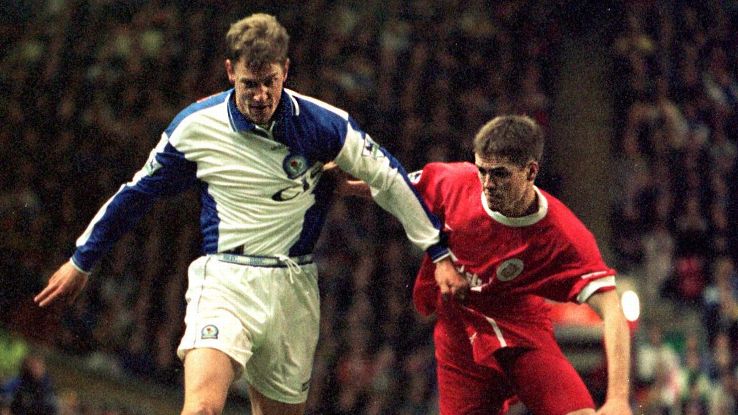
(87, 88)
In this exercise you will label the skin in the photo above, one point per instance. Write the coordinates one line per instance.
(617, 352)
(508, 187)
(257, 90)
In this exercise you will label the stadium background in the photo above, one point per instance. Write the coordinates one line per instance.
(638, 99)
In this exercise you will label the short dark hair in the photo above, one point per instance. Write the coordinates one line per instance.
(517, 138)
(260, 39)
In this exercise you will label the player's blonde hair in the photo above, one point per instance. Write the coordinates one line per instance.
(260, 39)
(515, 137)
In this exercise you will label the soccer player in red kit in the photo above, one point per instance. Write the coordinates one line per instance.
(517, 246)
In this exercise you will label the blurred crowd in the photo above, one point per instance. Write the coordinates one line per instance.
(88, 86)
(675, 209)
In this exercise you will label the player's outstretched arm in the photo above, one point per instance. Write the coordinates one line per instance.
(617, 350)
(66, 283)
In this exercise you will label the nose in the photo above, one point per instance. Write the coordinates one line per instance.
(488, 182)
(261, 93)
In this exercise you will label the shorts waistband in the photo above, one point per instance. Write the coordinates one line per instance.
(264, 261)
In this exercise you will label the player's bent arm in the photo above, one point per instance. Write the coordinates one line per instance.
(450, 282)
(391, 189)
(617, 351)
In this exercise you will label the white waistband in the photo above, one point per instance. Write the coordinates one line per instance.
(265, 261)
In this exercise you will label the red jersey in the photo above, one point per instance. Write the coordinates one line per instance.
(513, 264)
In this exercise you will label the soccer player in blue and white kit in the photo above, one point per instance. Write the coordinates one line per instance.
(256, 153)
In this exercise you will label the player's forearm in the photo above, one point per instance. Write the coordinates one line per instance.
(617, 349)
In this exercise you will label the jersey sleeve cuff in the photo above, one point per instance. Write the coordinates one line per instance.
(602, 284)
(438, 252)
(75, 263)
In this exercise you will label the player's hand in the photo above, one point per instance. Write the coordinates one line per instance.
(615, 407)
(450, 281)
(66, 283)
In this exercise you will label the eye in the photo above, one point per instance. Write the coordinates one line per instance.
(250, 84)
(500, 173)
(495, 173)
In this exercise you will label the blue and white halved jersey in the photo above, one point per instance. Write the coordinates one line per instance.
(259, 188)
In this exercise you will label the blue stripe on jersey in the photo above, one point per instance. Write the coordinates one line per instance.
(121, 214)
(194, 107)
(133, 200)
(314, 220)
(318, 132)
(238, 121)
(209, 220)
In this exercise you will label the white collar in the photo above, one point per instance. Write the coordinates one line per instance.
(523, 220)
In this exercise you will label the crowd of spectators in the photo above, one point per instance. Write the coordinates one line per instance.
(88, 86)
(676, 66)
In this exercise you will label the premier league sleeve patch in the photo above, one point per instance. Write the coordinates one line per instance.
(209, 332)
(295, 165)
(371, 148)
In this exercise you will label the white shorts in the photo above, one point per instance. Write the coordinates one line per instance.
(265, 318)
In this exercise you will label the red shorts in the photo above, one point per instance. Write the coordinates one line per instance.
(543, 380)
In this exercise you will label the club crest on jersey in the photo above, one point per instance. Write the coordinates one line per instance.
(295, 165)
(209, 332)
(509, 269)
(371, 149)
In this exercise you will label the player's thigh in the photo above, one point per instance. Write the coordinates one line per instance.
(208, 374)
(224, 308)
(546, 382)
(261, 405)
(281, 366)
(470, 390)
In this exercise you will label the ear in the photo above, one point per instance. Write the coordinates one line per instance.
(532, 171)
(230, 70)
(286, 69)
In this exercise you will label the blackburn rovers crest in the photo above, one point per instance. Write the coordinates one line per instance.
(209, 332)
(295, 165)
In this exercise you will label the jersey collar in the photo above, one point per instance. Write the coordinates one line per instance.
(531, 219)
(287, 107)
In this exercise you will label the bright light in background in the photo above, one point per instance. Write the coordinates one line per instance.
(631, 305)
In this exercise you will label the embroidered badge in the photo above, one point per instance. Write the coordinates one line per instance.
(371, 149)
(295, 165)
(509, 269)
(209, 332)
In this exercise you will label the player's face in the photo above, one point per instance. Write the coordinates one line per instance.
(257, 91)
(507, 187)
